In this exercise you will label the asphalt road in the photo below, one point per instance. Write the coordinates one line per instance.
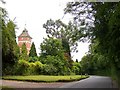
(92, 82)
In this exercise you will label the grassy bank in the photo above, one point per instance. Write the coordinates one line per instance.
(44, 78)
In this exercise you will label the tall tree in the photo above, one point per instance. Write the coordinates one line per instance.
(51, 47)
(67, 33)
(52, 53)
(105, 29)
(10, 49)
(83, 18)
(33, 51)
(23, 53)
(107, 33)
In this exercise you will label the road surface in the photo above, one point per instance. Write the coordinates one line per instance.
(22, 84)
(91, 82)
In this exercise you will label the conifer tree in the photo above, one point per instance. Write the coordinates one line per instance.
(24, 55)
(33, 51)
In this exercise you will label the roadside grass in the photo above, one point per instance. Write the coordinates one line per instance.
(45, 78)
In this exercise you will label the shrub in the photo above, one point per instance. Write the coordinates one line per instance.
(33, 59)
(28, 68)
(49, 69)
(31, 68)
(38, 67)
(55, 65)
(22, 67)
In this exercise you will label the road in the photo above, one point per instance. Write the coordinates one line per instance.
(22, 84)
(91, 82)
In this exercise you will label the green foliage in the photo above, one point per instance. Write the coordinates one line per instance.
(39, 67)
(33, 59)
(8, 45)
(86, 64)
(23, 54)
(52, 67)
(107, 33)
(56, 66)
(52, 54)
(10, 49)
(83, 19)
(21, 68)
(51, 47)
(24, 67)
(76, 68)
(102, 28)
(66, 47)
(66, 32)
(33, 51)
(49, 69)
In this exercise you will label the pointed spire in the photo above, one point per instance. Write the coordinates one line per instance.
(25, 33)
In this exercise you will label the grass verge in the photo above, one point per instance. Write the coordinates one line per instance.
(45, 78)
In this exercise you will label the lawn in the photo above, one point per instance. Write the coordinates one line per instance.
(45, 78)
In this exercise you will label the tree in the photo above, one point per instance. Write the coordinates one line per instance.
(76, 68)
(10, 49)
(52, 54)
(57, 63)
(23, 54)
(52, 47)
(33, 51)
(66, 33)
(77, 60)
(83, 18)
(107, 33)
(105, 30)
(8, 45)
(86, 64)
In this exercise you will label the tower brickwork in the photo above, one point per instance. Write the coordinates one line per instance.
(24, 37)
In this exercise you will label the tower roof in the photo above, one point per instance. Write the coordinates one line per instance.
(25, 34)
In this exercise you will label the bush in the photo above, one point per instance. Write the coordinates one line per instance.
(56, 65)
(28, 68)
(22, 67)
(33, 59)
(31, 68)
(75, 70)
(53, 66)
(38, 67)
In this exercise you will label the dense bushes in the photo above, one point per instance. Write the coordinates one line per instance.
(33, 59)
(50, 62)
(24, 67)
(53, 66)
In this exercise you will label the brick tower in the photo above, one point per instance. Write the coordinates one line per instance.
(24, 37)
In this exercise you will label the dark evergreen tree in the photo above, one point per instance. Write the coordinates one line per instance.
(23, 53)
(33, 51)
(10, 49)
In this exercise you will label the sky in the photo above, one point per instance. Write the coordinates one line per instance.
(32, 14)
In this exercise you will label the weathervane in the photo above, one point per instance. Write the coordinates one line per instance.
(25, 26)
